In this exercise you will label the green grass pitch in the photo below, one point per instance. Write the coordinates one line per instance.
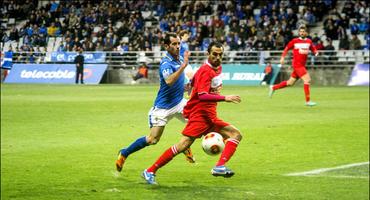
(61, 141)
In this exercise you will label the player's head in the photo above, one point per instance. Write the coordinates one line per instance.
(215, 53)
(172, 44)
(184, 35)
(302, 31)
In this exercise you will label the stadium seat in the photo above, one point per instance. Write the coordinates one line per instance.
(58, 40)
(11, 21)
(336, 44)
(145, 14)
(6, 46)
(202, 18)
(50, 44)
(157, 53)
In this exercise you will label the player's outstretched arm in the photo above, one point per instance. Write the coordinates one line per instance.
(282, 60)
(233, 98)
(173, 77)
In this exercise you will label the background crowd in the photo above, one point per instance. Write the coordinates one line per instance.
(139, 25)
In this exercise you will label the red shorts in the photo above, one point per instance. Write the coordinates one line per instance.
(298, 72)
(198, 128)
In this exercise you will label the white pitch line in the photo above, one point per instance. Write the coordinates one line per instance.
(321, 170)
(361, 177)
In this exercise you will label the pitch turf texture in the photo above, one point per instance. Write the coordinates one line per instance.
(61, 141)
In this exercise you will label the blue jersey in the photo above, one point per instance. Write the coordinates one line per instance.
(183, 47)
(169, 96)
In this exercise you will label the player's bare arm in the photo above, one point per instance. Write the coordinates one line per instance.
(282, 60)
(173, 77)
(233, 98)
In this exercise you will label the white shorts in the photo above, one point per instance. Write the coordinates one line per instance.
(160, 116)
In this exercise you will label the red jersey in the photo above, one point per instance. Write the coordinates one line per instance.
(268, 69)
(206, 80)
(301, 48)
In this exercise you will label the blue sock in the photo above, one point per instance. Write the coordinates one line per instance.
(135, 146)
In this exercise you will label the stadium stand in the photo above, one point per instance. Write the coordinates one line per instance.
(105, 24)
(133, 30)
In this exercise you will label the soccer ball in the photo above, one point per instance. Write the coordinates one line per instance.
(213, 143)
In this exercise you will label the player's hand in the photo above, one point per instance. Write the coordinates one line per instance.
(317, 53)
(186, 57)
(188, 88)
(281, 60)
(233, 98)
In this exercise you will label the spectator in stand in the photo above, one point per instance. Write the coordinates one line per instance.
(269, 42)
(329, 54)
(341, 32)
(122, 47)
(279, 40)
(343, 43)
(14, 35)
(315, 38)
(319, 45)
(234, 27)
(102, 17)
(61, 48)
(219, 31)
(31, 56)
(355, 43)
(364, 25)
(309, 17)
(367, 38)
(141, 73)
(76, 44)
(331, 31)
(291, 18)
(52, 29)
(354, 27)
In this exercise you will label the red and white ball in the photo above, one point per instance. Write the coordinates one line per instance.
(213, 143)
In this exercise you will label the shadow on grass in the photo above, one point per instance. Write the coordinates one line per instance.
(191, 190)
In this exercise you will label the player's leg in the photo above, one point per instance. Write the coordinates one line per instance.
(191, 131)
(138, 144)
(306, 87)
(188, 153)
(157, 120)
(233, 137)
(292, 79)
(167, 156)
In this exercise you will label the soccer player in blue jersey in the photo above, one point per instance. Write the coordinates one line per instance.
(169, 102)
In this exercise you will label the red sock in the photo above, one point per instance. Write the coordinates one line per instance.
(229, 150)
(306, 88)
(163, 159)
(280, 85)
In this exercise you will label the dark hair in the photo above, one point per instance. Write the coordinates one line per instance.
(302, 27)
(214, 43)
(183, 32)
(167, 38)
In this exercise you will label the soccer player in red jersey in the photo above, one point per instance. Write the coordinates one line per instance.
(202, 116)
(301, 47)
